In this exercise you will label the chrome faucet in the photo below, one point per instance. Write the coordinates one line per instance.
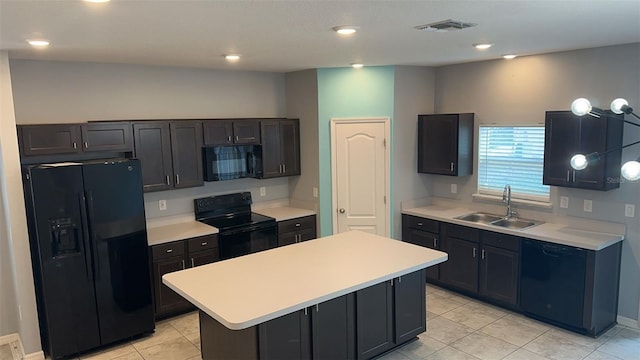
(506, 198)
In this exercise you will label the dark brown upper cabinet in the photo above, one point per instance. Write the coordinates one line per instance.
(229, 132)
(170, 153)
(54, 139)
(566, 135)
(280, 147)
(445, 144)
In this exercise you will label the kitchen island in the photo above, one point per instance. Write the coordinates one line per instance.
(269, 304)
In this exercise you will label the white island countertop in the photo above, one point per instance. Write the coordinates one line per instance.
(251, 289)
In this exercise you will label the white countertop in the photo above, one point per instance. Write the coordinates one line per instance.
(551, 232)
(251, 289)
(160, 231)
(284, 212)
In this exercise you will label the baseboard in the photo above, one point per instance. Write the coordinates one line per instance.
(7, 339)
(35, 356)
(632, 323)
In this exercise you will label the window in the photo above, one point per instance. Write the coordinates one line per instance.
(512, 155)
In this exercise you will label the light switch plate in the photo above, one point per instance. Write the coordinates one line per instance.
(315, 192)
(564, 202)
(263, 191)
(162, 205)
(454, 188)
(629, 210)
(588, 205)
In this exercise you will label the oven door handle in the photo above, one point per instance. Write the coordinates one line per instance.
(246, 229)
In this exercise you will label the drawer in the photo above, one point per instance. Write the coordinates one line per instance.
(416, 222)
(162, 251)
(503, 241)
(202, 243)
(307, 222)
(462, 232)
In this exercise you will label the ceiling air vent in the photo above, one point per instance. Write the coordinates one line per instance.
(446, 25)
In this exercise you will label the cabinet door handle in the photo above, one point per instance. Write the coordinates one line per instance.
(177, 179)
(419, 224)
(193, 263)
(474, 252)
(574, 176)
(317, 308)
(183, 264)
(237, 138)
(435, 243)
(169, 251)
(86, 145)
(204, 243)
(229, 138)
(168, 180)
(298, 224)
(567, 175)
(305, 311)
(483, 254)
(451, 166)
(284, 168)
(75, 146)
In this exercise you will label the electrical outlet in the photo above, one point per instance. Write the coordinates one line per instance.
(588, 206)
(162, 205)
(454, 188)
(629, 210)
(263, 191)
(564, 202)
(315, 192)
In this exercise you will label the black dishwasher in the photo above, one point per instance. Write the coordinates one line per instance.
(553, 282)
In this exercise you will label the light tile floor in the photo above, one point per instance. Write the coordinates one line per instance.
(457, 328)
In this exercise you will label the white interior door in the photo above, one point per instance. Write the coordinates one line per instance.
(360, 166)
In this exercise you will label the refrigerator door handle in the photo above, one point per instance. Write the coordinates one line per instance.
(85, 235)
(92, 230)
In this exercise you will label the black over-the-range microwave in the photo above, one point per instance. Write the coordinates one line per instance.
(228, 162)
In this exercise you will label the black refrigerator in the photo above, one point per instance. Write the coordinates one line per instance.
(88, 240)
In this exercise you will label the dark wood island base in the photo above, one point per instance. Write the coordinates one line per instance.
(359, 325)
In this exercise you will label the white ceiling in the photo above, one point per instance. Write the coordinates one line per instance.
(283, 36)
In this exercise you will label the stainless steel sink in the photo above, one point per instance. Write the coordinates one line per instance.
(480, 218)
(499, 221)
(514, 223)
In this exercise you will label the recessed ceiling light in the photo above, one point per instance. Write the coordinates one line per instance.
(38, 43)
(357, 65)
(232, 57)
(482, 46)
(345, 29)
(509, 57)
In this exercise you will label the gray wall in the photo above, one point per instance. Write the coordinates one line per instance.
(302, 103)
(520, 91)
(17, 300)
(414, 93)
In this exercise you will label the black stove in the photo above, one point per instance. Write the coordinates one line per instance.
(240, 231)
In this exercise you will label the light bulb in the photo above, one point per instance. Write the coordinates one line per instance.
(617, 104)
(631, 170)
(579, 162)
(580, 106)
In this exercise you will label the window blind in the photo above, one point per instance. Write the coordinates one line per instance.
(512, 155)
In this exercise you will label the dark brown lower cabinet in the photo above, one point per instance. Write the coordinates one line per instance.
(175, 256)
(423, 232)
(461, 270)
(359, 325)
(286, 337)
(389, 314)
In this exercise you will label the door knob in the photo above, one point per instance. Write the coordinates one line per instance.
(341, 211)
